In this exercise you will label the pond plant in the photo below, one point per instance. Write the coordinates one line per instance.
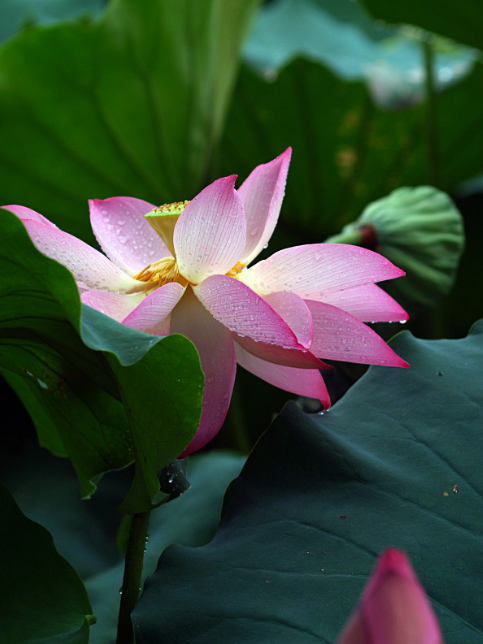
(154, 503)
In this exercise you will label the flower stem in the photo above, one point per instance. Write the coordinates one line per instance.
(237, 416)
(131, 583)
(432, 142)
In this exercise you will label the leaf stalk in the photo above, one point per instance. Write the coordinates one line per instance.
(432, 141)
(131, 584)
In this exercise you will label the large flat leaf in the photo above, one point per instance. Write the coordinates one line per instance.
(397, 462)
(132, 104)
(46, 490)
(460, 22)
(42, 597)
(190, 520)
(339, 34)
(346, 151)
(74, 376)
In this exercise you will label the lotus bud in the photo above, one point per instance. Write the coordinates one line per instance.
(419, 229)
(394, 608)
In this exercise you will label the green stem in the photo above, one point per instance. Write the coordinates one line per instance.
(243, 442)
(131, 584)
(432, 142)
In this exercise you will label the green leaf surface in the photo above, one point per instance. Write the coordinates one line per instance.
(163, 398)
(347, 151)
(47, 491)
(460, 22)
(396, 462)
(133, 104)
(190, 520)
(98, 392)
(42, 597)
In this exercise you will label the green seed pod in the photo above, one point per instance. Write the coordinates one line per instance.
(421, 231)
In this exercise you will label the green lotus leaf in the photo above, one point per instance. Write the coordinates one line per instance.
(130, 104)
(396, 462)
(421, 231)
(42, 597)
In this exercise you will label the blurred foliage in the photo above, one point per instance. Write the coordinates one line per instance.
(322, 495)
(16, 15)
(460, 21)
(347, 151)
(80, 381)
(131, 105)
(340, 35)
(36, 576)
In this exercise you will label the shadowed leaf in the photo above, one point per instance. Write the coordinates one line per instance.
(42, 597)
(396, 462)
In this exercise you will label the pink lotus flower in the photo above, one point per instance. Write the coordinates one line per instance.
(187, 273)
(394, 608)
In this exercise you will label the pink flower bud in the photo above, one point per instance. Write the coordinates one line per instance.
(394, 608)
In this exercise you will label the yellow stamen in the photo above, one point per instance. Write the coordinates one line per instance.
(160, 273)
(236, 270)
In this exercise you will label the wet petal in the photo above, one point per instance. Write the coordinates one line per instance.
(115, 305)
(304, 382)
(340, 336)
(262, 195)
(124, 234)
(23, 212)
(297, 358)
(154, 308)
(87, 265)
(215, 346)
(210, 234)
(244, 312)
(296, 314)
(316, 270)
(368, 303)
